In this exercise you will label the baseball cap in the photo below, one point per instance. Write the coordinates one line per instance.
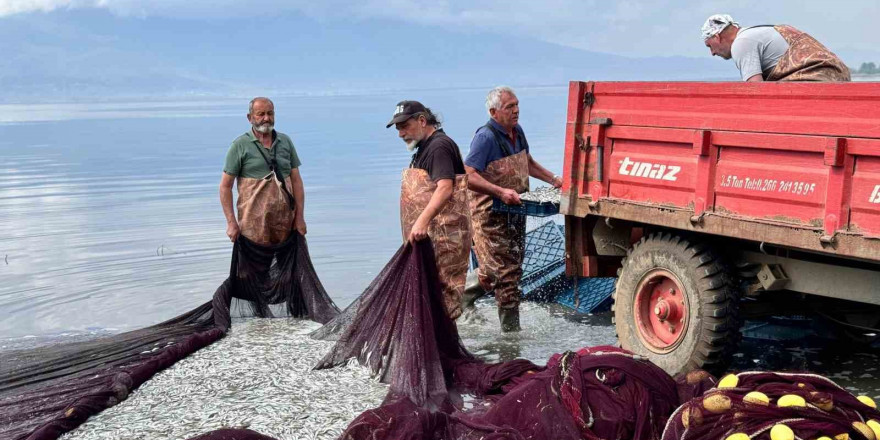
(406, 110)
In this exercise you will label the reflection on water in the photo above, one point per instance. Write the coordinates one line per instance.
(109, 214)
(546, 329)
(109, 217)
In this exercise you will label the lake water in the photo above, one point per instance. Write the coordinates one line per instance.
(109, 212)
(110, 219)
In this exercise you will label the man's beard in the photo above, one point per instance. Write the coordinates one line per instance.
(412, 144)
(264, 128)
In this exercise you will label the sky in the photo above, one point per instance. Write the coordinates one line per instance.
(69, 49)
(628, 27)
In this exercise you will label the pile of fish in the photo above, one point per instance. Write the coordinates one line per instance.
(544, 194)
(258, 377)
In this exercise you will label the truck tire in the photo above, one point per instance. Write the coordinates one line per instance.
(676, 304)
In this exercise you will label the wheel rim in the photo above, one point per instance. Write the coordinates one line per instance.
(661, 311)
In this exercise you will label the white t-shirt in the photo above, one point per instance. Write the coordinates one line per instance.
(757, 50)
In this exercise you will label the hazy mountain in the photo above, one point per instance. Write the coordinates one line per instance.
(91, 53)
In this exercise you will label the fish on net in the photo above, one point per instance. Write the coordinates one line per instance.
(399, 330)
(49, 390)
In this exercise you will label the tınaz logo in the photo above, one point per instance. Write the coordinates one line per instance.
(875, 196)
(649, 170)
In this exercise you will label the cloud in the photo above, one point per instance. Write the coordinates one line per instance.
(629, 27)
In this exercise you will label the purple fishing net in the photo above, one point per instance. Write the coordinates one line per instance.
(398, 328)
(821, 408)
(47, 391)
(599, 393)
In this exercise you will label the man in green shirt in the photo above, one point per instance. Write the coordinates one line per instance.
(265, 165)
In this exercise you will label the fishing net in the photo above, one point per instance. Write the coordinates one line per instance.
(398, 328)
(596, 393)
(47, 391)
(765, 405)
(438, 390)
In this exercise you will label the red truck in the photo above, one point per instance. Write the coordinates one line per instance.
(718, 202)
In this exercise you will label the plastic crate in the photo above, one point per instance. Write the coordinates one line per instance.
(534, 209)
(593, 295)
(545, 247)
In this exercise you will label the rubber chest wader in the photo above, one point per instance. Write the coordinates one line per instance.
(806, 59)
(265, 207)
(500, 238)
(450, 230)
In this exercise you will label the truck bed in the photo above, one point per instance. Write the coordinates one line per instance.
(790, 164)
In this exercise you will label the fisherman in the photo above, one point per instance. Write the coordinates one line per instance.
(433, 197)
(772, 53)
(499, 165)
(270, 190)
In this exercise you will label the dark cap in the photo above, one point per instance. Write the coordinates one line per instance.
(406, 110)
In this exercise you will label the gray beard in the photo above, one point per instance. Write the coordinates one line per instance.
(265, 128)
(410, 146)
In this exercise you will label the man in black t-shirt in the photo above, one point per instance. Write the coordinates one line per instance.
(435, 152)
(433, 197)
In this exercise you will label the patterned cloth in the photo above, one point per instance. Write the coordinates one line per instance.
(499, 239)
(263, 213)
(450, 231)
(806, 60)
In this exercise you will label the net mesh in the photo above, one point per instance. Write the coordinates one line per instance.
(808, 405)
(398, 329)
(47, 391)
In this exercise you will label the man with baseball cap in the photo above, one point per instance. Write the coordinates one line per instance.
(772, 53)
(433, 197)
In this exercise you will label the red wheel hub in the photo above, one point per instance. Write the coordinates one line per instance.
(661, 311)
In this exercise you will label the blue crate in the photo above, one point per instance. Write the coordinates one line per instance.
(534, 209)
(544, 276)
(546, 284)
(593, 295)
(545, 247)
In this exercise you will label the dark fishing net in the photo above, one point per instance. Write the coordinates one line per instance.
(753, 404)
(598, 393)
(398, 328)
(47, 391)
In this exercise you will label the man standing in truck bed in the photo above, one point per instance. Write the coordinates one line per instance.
(772, 53)
(499, 165)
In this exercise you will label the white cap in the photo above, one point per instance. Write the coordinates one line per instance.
(715, 24)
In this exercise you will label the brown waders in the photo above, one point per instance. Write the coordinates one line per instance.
(806, 59)
(264, 214)
(450, 230)
(499, 238)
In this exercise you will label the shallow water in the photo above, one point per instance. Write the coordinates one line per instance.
(109, 218)
(109, 214)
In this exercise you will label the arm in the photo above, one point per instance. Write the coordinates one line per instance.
(232, 228)
(438, 200)
(477, 183)
(539, 172)
(299, 197)
(755, 78)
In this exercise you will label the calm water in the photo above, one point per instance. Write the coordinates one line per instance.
(109, 214)
(110, 219)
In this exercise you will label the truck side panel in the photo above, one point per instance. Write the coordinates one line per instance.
(793, 164)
